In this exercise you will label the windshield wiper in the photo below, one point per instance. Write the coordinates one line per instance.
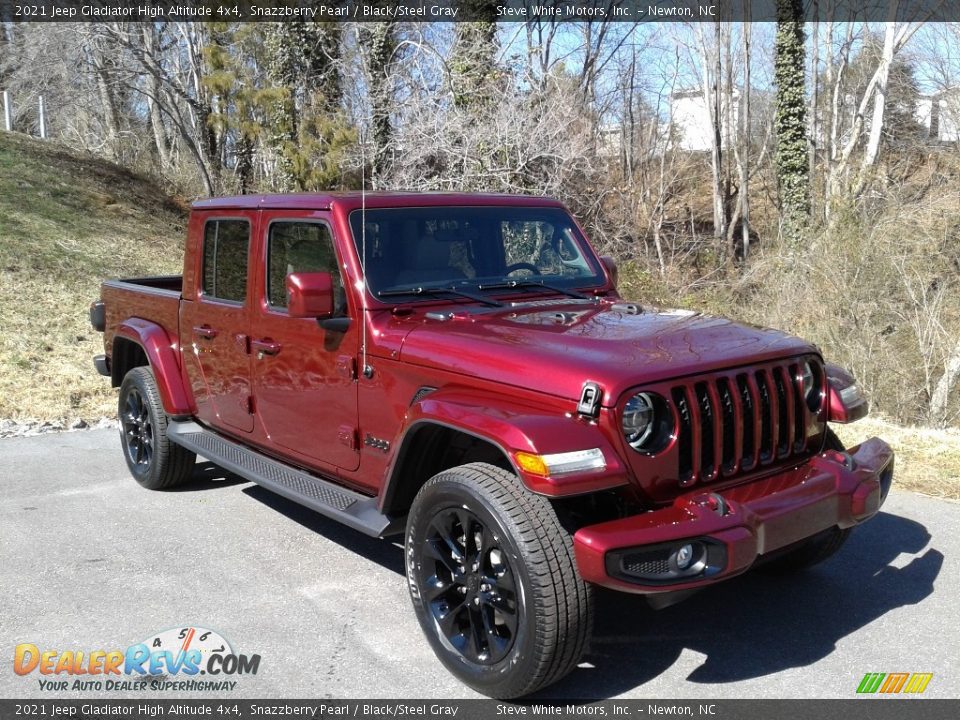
(417, 290)
(527, 284)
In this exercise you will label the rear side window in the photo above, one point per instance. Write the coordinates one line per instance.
(226, 246)
(300, 247)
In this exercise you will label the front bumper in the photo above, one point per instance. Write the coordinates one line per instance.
(737, 525)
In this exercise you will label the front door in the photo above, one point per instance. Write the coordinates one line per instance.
(304, 376)
(214, 326)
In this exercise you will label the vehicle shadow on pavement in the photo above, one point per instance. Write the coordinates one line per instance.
(383, 552)
(760, 623)
(207, 476)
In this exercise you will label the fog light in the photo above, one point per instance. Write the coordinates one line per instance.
(667, 563)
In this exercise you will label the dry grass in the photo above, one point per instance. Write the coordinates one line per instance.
(66, 223)
(928, 460)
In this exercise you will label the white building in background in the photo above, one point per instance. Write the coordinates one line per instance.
(939, 114)
(690, 118)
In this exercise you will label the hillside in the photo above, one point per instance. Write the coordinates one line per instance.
(67, 222)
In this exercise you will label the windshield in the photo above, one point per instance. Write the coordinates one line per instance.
(481, 248)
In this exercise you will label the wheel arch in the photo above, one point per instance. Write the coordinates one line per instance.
(139, 342)
(430, 447)
(452, 426)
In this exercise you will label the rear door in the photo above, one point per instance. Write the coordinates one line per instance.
(214, 326)
(304, 376)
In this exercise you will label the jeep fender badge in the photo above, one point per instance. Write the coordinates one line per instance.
(590, 398)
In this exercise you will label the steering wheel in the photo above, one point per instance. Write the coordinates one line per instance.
(523, 266)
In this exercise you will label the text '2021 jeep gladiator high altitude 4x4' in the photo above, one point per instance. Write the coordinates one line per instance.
(461, 369)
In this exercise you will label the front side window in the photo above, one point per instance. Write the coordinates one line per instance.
(471, 246)
(300, 247)
(226, 245)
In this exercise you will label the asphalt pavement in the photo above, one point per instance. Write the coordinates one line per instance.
(92, 561)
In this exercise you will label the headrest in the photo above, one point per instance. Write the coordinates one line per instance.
(431, 253)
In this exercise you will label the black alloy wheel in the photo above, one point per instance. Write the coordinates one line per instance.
(469, 586)
(137, 429)
(154, 461)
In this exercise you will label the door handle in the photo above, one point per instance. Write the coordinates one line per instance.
(265, 347)
(205, 331)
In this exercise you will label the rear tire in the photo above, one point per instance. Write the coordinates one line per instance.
(154, 461)
(815, 550)
(493, 581)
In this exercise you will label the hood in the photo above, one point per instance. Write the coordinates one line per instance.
(555, 346)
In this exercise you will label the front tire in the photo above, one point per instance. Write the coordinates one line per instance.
(154, 461)
(493, 581)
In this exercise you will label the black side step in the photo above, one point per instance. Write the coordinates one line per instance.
(358, 511)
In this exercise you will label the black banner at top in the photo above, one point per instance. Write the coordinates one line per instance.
(501, 11)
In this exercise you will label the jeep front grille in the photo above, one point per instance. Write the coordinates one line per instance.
(741, 421)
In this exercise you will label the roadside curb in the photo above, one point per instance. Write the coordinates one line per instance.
(32, 428)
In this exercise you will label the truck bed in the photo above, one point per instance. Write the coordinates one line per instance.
(151, 298)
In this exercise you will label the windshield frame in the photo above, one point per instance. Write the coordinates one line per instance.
(597, 281)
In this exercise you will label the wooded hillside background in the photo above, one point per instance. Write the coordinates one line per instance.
(824, 204)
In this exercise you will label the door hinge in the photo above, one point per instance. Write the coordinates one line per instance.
(347, 367)
(348, 436)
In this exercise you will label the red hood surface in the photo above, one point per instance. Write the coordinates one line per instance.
(554, 347)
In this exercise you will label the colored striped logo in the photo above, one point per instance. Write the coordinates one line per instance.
(890, 683)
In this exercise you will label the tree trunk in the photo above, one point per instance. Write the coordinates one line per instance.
(110, 115)
(281, 129)
(160, 140)
(813, 136)
(941, 393)
(711, 85)
(380, 44)
(792, 163)
(894, 40)
(745, 139)
(879, 107)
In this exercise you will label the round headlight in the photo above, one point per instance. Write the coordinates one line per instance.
(638, 420)
(812, 385)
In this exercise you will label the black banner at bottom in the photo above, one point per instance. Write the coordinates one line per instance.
(864, 708)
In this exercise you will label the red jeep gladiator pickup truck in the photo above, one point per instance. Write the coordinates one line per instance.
(459, 368)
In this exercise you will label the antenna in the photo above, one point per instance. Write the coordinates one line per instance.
(365, 367)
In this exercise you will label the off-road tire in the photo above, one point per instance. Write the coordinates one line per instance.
(553, 605)
(815, 550)
(154, 461)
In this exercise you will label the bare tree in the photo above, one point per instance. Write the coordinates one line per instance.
(896, 35)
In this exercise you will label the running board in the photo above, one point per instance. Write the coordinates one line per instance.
(350, 508)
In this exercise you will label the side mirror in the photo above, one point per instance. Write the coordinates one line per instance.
(310, 295)
(611, 265)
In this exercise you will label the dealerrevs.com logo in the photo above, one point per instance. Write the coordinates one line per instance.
(166, 661)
